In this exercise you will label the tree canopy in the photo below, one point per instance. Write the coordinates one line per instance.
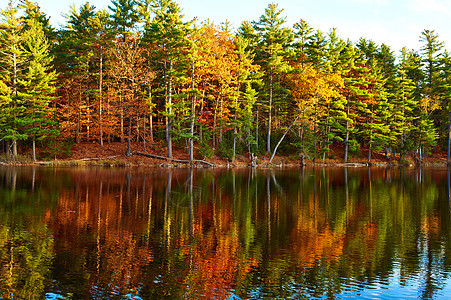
(140, 72)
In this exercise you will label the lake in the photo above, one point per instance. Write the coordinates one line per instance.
(99, 233)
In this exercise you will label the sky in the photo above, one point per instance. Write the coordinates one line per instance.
(396, 23)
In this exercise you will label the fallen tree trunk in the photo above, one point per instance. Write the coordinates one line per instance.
(173, 159)
(281, 139)
(98, 158)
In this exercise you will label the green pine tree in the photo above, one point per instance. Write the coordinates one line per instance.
(272, 54)
(243, 108)
(12, 61)
(38, 86)
(404, 104)
(445, 92)
(32, 13)
(302, 34)
(374, 128)
(124, 16)
(431, 51)
(168, 33)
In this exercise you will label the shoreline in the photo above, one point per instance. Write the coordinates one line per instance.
(167, 165)
(154, 156)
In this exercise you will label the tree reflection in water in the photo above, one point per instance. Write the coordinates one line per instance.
(150, 233)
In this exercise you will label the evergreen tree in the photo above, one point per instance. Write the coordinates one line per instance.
(124, 16)
(404, 103)
(337, 62)
(387, 68)
(246, 121)
(194, 57)
(38, 86)
(12, 61)
(423, 133)
(272, 54)
(431, 51)
(375, 111)
(369, 49)
(317, 50)
(445, 92)
(243, 77)
(247, 31)
(5, 104)
(32, 12)
(378, 128)
(168, 33)
(358, 91)
(302, 34)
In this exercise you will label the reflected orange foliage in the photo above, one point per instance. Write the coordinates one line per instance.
(430, 225)
(92, 211)
(124, 261)
(215, 256)
(313, 238)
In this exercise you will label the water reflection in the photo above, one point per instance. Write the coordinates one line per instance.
(104, 233)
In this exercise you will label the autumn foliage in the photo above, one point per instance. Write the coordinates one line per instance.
(140, 73)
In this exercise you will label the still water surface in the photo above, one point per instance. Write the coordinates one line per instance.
(89, 233)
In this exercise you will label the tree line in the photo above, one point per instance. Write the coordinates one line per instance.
(138, 72)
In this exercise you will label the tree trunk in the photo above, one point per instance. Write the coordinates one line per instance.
(88, 115)
(281, 139)
(129, 135)
(34, 148)
(369, 153)
(449, 139)
(150, 114)
(347, 136)
(108, 114)
(420, 156)
(169, 112)
(314, 133)
(122, 116)
(256, 130)
(214, 122)
(235, 116)
(100, 97)
(144, 132)
(268, 140)
(220, 122)
(138, 119)
(14, 149)
(77, 136)
(8, 149)
(401, 152)
(192, 113)
(327, 132)
(14, 110)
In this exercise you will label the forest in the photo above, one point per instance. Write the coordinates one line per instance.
(138, 72)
